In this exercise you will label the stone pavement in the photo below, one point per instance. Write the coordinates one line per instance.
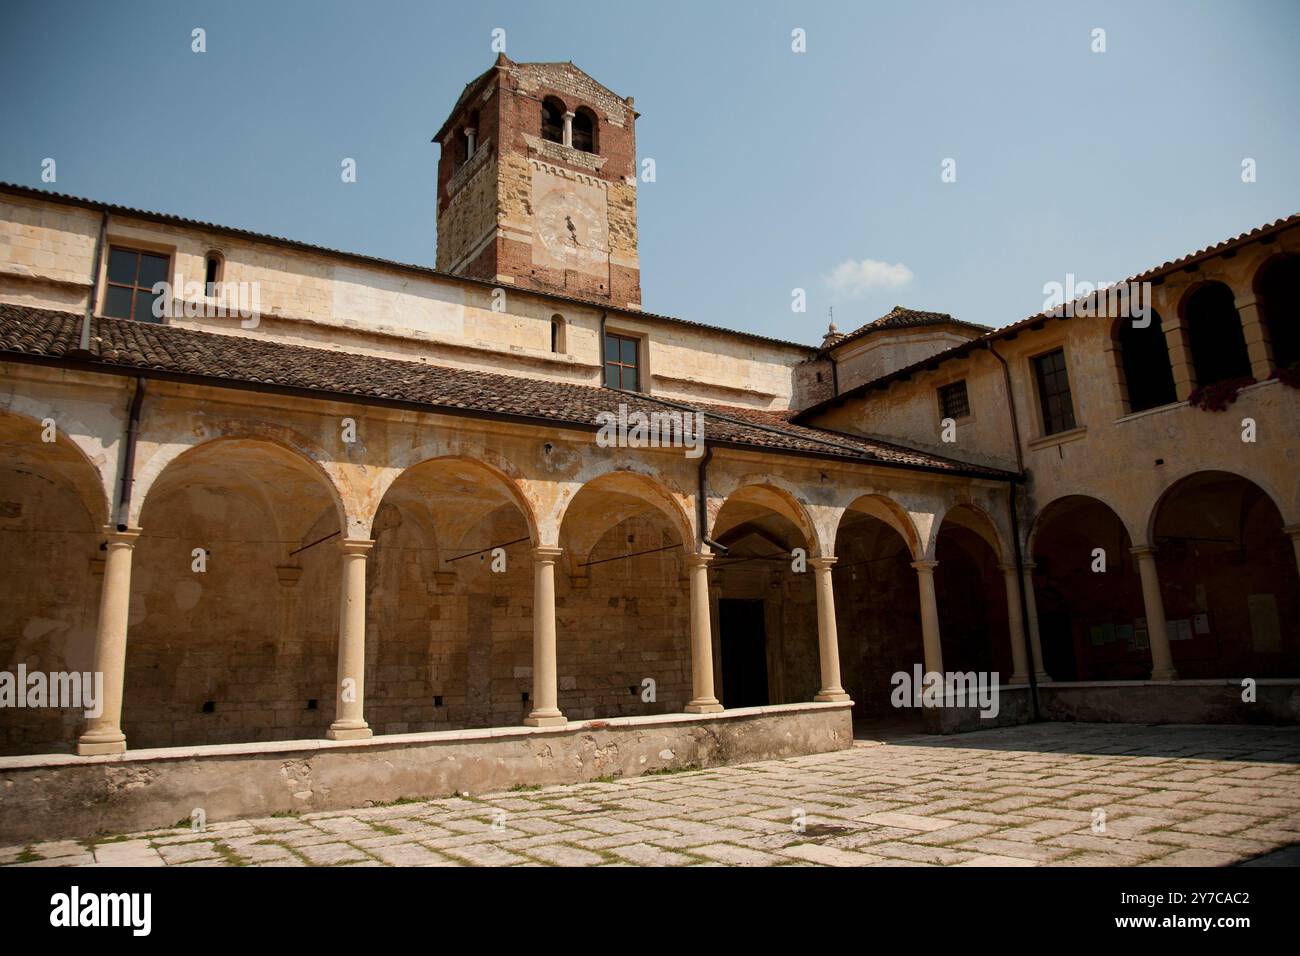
(1050, 794)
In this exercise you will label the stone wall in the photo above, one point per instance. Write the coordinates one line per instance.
(65, 796)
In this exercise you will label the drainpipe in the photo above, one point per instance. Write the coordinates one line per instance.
(1015, 532)
(128, 456)
(835, 376)
(84, 346)
(702, 504)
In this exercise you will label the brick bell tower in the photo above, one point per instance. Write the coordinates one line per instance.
(537, 184)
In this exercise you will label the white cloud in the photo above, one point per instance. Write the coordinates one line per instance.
(854, 278)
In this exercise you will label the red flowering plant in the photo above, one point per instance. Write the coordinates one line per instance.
(1218, 396)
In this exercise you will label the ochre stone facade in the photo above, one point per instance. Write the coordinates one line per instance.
(292, 528)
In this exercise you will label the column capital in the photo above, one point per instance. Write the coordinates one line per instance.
(696, 559)
(127, 536)
(570, 115)
(1245, 300)
(1291, 530)
(547, 554)
(925, 567)
(1143, 551)
(824, 562)
(359, 546)
(1029, 565)
(1011, 568)
(469, 131)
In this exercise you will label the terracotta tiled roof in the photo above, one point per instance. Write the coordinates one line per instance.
(901, 317)
(126, 347)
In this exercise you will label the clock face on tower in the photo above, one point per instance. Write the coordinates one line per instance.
(571, 230)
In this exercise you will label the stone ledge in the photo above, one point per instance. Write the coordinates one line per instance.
(65, 796)
(270, 747)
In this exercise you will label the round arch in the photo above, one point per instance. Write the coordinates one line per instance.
(1215, 336)
(1265, 486)
(1276, 284)
(973, 518)
(1145, 371)
(472, 482)
(283, 445)
(891, 513)
(614, 497)
(53, 509)
(1053, 507)
(877, 603)
(750, 500)
(22, 438)
(1088, 592)
(1227, 574)
(234, 598)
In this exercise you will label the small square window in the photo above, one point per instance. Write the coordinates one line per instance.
(622, 355)
(131, 278)
(953, 402)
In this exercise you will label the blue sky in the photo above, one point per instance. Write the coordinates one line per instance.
(774, 169)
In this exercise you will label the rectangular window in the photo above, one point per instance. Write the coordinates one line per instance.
(953, 402)
(1054, 392)
(131, 276)
(621, 361)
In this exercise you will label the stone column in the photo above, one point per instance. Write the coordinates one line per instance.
(1162, 659)
(350, 696)
(1180, 356)
(1293, 532)
(1016, 626)
(929, 616)
(568, 128)
(1252, 327)
(104, 733)
(703, 700)
(546, 693)
(1035, 640)
(471, 142)
(828, 641)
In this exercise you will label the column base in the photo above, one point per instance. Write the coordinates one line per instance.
(348, 730)
(90, 745)
(1042, 677)
(703, 705)
(545, 718)
(1166, 674)
(838, 695)
(1022, 679)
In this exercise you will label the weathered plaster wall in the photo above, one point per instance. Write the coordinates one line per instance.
(327, 301)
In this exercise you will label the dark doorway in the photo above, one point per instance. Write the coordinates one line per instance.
(744, 653)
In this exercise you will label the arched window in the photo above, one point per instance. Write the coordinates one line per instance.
(557, 334)
(1148, 375)
(1278, 291)
(212, 264)
(1214, 335)
(553, 120)
(470, 133)
(584, 130)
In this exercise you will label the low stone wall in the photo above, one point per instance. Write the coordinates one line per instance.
(1171, 702)
(1139, 702)
(67, 796)
(1013, 708)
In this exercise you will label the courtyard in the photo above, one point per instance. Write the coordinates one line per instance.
(1054, 794)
